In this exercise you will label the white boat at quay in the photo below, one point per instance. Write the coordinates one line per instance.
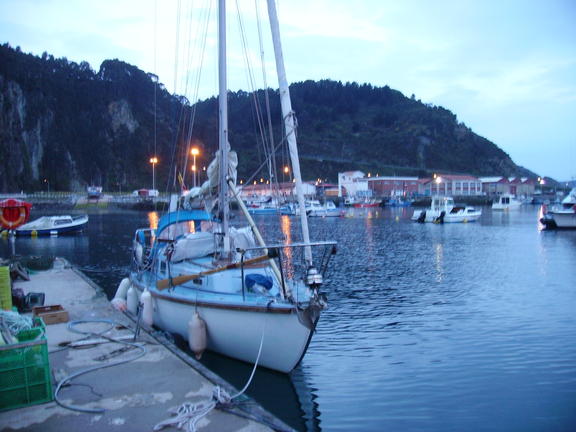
(266, 205)
(506, 202)
(443, 210)
(315, 208)
(53, 225)
(564, 215)
(221, 287)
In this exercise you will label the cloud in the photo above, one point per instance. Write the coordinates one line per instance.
(332, 19)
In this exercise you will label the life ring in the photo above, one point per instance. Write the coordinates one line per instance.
(13, 223)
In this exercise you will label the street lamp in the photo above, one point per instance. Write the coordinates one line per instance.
(153, 161)
(437, 180)
(195, 152)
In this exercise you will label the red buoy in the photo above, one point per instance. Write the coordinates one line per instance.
(14, 213)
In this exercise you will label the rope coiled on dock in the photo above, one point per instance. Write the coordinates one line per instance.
(68, 379)
(189, 414)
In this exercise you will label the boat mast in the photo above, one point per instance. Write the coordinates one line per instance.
(289, 125)
(223, 146)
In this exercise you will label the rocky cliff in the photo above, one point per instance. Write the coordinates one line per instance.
(65, 126)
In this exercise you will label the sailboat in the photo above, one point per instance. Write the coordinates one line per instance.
(223, 288)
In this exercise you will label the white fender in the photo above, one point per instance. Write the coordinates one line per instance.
(197, 335)
(147, 308)
(138, 253)
(119, 300)
(132, 299)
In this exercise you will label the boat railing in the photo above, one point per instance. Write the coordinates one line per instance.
(290, 245)
(291, 259)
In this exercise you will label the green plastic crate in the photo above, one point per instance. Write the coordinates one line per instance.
(5, 288)
(25, 370)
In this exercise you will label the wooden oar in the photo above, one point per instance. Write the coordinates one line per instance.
(179, 280)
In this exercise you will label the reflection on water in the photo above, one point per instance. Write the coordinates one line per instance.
(430, 327)
(439, 249)
(289, 397)
(52, 245)
(288, 258)
(153, 218)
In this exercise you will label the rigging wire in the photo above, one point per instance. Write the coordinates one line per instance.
(250, 76)
(184, 122)
(155, 73)
(172, 165)
(266, 96)
(201, 36)
(180, 133)
(267, 143)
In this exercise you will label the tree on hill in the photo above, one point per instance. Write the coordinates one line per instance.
(63, 122)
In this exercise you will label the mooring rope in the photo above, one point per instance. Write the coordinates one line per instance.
(69, 378)
(187, 415)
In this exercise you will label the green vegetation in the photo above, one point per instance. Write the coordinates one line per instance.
(65, 126)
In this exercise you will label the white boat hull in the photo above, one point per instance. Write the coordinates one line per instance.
(460, 217)
(506, 202)
(564, 219)
(505, 207)
(236, 332)
(325, 213)
(53, 226)
(443, 210)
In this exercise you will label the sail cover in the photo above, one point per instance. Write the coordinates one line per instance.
(206, 196)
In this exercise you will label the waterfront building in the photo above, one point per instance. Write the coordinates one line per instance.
(522, 186)
(518, 186)
(352, 183)
(394, 186)
(451, 185)
(285, 189)
(495, 185)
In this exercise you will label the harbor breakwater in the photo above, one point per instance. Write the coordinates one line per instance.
(77, 201)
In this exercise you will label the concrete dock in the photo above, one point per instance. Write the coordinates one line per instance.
(134, 396)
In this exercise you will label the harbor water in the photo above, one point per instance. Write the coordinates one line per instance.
(429, 327)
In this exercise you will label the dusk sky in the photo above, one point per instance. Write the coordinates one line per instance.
(505, 68)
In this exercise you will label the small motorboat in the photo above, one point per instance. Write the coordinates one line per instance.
(266, 205)
(316, 209)
(367, 202)
(399, 201)
(443, 210)
(53, 225)
(563, 216)
(506, 202)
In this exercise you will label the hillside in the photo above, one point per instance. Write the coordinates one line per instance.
(65, 126)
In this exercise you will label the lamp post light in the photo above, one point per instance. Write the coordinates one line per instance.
(437, 180)
(153, 161)
(195, 152)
